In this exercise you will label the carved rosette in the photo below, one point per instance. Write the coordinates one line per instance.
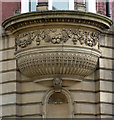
(57, 43)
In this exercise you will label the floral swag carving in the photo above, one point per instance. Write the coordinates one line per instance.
(57, 36)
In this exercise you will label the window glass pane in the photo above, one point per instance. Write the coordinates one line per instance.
(60, 4)
(24, 6)
(33, 5)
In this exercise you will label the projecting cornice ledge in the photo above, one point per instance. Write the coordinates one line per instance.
(16, 23)
(52, 44)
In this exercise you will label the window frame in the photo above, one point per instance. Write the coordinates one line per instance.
(33, 6)
(24, 6)
(27, 6)
(71, 5)
(91, 6)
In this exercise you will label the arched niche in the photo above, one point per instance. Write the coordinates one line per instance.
(57, 104)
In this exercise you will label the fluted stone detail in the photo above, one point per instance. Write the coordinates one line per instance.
(57, 63)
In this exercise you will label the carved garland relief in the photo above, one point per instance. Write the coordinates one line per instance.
(57, 36)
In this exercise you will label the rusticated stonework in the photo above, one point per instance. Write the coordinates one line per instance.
(58, 36)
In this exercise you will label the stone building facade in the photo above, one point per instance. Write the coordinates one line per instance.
(57, 64)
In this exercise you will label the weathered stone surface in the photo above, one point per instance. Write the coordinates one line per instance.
(9, 110)
(104, 97)
(85, 116)
(32, 97)
(0, 66)
(7, 42)
(32, 87)
(9, 76)
(106, 63)
(0, 99)
(8, 65)
(85, 108)
(83, 97)
(30, 109)
(7, 54)
(107, 52)
(106, 74)
(85, 86)
(0, 42)
(10, 99)
(106, 40)
(11, 87)
(104, 86)
(0, 78)
(106, 109)
(0, 55)
(113, 99)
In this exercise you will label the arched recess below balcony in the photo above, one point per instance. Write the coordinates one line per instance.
(57, 104)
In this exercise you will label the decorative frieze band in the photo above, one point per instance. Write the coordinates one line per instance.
(57, 36)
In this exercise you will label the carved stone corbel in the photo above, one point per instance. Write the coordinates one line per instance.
(57, 82)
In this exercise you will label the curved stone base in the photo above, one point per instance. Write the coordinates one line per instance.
(57, 61)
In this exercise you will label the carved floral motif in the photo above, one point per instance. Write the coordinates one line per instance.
(25, 39)
(57, 36)
(84, 37)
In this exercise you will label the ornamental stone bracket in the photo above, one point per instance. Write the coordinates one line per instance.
(57, 83)
(62, 44)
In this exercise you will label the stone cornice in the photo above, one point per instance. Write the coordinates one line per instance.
(21, 21)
